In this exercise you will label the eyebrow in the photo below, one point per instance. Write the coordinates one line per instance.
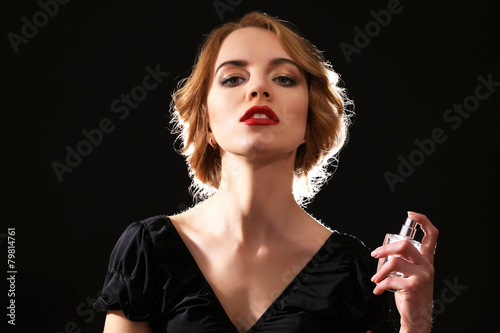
(243, 63)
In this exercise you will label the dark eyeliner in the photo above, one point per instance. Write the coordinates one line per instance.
(291, 83)
(227, 79)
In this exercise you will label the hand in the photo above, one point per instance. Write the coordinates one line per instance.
(415, 290)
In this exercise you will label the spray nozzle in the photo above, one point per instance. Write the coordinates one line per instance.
(409, 228)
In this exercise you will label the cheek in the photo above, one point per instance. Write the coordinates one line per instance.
(220, 110)
(296, 108)
(213, 107)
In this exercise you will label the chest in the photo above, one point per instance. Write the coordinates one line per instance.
(247, 283)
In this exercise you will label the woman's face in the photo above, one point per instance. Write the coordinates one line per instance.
(258, 99)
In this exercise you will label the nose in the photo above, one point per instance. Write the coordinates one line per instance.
(255, 94)
(259, 89)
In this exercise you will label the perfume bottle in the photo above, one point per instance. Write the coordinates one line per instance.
(408, 231)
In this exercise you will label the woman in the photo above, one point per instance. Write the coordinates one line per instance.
(261, 116)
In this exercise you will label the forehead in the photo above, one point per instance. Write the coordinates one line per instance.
(251, 44)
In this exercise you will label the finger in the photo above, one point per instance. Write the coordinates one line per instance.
(403, 248)
(391, 283)
(430, 235)
(395, 264)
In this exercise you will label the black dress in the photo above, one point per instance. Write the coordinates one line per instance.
(153, 277)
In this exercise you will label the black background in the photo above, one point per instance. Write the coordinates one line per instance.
(64, 79)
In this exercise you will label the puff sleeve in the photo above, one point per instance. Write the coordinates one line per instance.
(361, 309)
(128, 283)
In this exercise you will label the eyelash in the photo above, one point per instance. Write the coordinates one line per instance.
(290, 80)
(226, 81)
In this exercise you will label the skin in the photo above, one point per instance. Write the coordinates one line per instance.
(117, 322)
(414, 296)
(251, 238)
(281, 86)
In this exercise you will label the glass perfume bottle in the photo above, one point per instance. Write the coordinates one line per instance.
(408, 231)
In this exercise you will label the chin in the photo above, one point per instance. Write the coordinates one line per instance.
(258, 149)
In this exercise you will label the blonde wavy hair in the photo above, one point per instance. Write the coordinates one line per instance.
(328, 114)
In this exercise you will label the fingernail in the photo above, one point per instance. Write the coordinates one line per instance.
(375, 252)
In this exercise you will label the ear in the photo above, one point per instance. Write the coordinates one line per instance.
(211, 140)
(210, 134)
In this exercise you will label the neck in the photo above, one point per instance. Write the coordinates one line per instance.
(255, 202)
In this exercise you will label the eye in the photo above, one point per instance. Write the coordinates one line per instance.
(285, 81)
(232, 81)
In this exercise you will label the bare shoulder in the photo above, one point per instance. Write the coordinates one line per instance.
(180, 222)
(190, 220)
(309, 234)
(117, 322)
(319, 237)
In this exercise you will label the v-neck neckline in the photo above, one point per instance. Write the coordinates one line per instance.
(266, 313)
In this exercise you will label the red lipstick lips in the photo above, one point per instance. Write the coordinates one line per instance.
(260, 115)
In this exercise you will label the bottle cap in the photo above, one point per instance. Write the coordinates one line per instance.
(409, 228)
